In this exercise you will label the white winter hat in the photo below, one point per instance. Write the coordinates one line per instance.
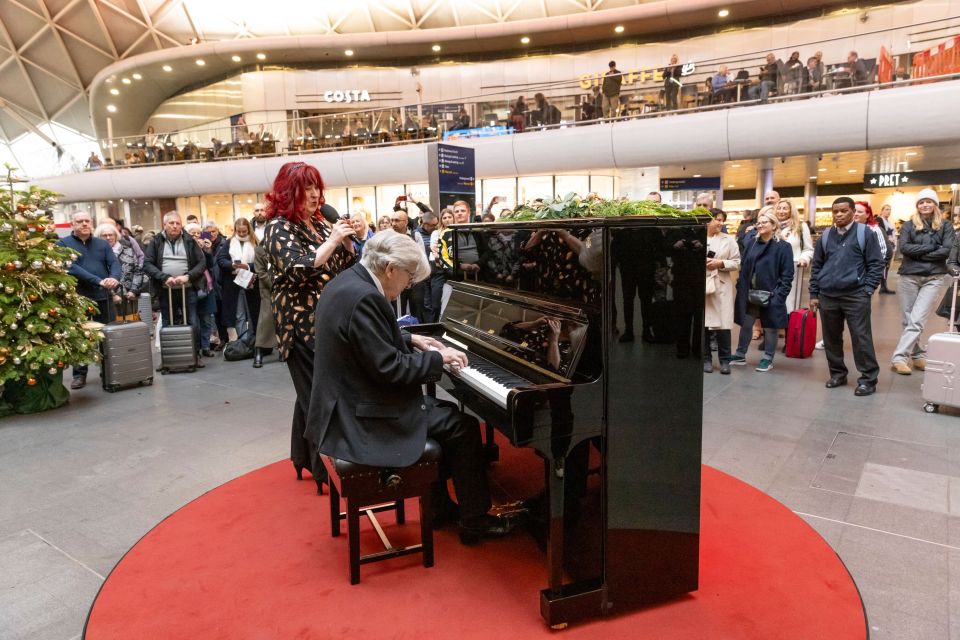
(928, 194)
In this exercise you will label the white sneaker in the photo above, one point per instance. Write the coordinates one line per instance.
(819, 345)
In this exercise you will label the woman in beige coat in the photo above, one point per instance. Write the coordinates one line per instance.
(723, 262)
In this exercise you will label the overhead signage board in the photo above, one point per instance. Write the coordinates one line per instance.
(910, 178)
(452, 175)
(689, 184)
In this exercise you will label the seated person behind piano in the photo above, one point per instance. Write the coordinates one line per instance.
(367, 405)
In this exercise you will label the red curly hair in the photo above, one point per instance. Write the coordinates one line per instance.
(288, 194)
(871, 221)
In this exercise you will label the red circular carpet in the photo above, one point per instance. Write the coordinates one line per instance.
(254, 559)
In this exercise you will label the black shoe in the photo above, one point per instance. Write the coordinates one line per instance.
(626, 337)
(835, 382)
(78, 382)
(473, 531)
(864, 389)
(257, 358)
(725, 368)
(200, 364)
(447, 512)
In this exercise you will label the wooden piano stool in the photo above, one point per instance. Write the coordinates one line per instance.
(370, 490)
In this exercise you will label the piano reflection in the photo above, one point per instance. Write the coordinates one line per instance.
(547, 371)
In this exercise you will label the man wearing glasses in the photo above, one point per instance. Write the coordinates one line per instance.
(367, 404)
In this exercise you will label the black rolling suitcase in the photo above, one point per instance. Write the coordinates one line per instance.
(178, 343)
(127, 353)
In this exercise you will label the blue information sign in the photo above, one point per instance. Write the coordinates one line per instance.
(457, 169)
(689, 184)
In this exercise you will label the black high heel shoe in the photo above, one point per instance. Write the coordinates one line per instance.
(321, 480)
(257, 358)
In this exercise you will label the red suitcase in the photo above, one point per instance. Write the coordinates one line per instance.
(801, 328)
(801, 334)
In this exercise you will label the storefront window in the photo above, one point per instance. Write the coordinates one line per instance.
(529, 188)
(218, 208)
(579, 185)
(505, 188)
(603, 186)
(145, 213)
(364, 200)
(387, 196)
(337, 198)
(243, 204)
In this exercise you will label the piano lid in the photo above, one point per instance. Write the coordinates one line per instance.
(548, 337)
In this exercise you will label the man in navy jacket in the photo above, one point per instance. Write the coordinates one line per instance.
(847, 268)
(97, 271)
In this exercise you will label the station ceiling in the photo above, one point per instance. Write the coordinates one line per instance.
(51, 51)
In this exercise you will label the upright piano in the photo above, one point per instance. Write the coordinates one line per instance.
(617, 422)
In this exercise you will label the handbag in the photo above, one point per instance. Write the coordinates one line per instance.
(758, 297)
(711, 284)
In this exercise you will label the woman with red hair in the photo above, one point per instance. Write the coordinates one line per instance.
(863, 213)
(305, 251)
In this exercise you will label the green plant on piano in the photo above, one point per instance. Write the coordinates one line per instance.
(573, 206)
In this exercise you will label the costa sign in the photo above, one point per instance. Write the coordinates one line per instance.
(350, 95)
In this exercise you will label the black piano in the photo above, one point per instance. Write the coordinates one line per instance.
(617, 423)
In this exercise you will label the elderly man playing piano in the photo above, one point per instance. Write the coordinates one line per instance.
(367, 404)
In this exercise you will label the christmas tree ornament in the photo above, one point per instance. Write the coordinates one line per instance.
(13, 326)
(49, 360)
(31, 381)
(18, 316)
(52, 370)
(43, 315)
(54, 312)
(6, 227)
(35, 366)
(62, 286)
(60, 363)
(8, 289)
(32, 297)
(36, 265)
(9, 267)
(17, 264)
(17, 360)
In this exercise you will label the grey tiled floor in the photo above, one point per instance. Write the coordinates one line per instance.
(878, 478)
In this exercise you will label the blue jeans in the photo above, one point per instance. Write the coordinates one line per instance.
(770, 339)
(761, 90)
(208, 324)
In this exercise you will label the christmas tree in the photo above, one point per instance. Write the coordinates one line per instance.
(43, 322)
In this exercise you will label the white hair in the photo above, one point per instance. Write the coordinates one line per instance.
(106, 227)
(389, 247)
(170, 215)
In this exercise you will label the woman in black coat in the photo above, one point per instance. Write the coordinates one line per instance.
(766, 265)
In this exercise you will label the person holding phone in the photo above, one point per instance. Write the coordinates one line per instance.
(240, 305)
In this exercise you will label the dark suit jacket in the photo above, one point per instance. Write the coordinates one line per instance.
(367, 403)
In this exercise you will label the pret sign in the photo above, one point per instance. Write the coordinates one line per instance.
(910, 178)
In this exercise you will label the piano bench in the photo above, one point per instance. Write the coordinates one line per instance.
(369, 490)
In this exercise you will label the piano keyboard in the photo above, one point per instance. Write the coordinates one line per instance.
(491, 381)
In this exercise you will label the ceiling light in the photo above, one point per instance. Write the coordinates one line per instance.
(828, 182)
(261, 56)
(619, 28)
(125, 80)
(851, 170)
(812, 178)
(114, 92)
(435, 47)
(137, 76)
(910, 154)
(111, 108)
(249, 200)
(525, 40)
(167, 68)
(822, 169)
(200, 62)
(723, 13)
(348, 52)
(735, 166)
(902, 162)
(109, 80)
(729, 186)
(235, 58)
(696, 175)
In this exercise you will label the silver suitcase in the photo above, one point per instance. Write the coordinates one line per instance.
(127, 355)
(941, 385)
(178, 343)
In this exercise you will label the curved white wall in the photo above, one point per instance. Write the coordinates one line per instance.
(900, 117)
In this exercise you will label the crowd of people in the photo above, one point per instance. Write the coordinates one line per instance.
(298, 265)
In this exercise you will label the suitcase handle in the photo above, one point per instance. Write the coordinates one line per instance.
(183, 289)
(112, 308)
(953, 307)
